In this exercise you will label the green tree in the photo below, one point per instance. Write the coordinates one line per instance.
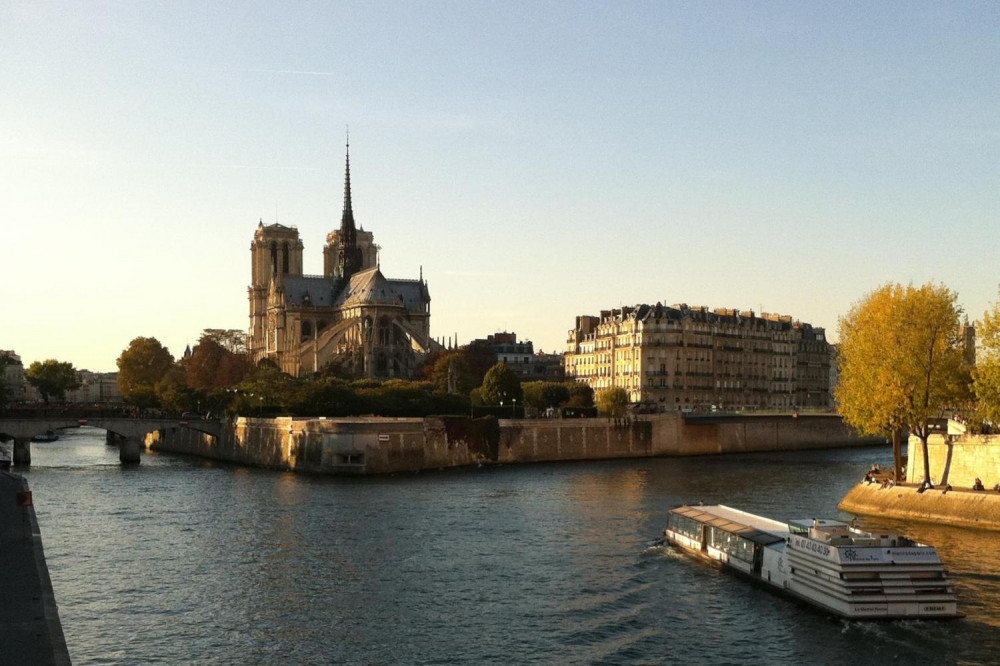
(542, 395)
(175, 396)
(141, 366)
(452, 372)
(580, 395)
(327, 396)
(533, 395)
(480, 356)
(171, 392)
(501, 384)
(266, 390)
(901, 363)
(612, 402)
(986, 376)
(52, 378)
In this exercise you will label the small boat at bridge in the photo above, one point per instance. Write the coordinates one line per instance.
(829, 564)
(47, 436)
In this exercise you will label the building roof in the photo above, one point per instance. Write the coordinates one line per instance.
(414, 292)
(309, 291)
(367, 287)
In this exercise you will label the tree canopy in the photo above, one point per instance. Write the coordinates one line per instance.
(213, 363)
(52, 378)
(986, 376)
(612, 402)
(140, 367)
(901, 362)
(459, 370)
(580, 395)
(501, 384)
(453, 372)
(233, 340)
(543, 395)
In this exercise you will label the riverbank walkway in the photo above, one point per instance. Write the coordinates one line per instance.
(960, 507)
(30, 630)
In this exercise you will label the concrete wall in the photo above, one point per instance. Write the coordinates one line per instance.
(964, 459)
(379, 446)
(674, 435)
(965, 508)
(575, 439)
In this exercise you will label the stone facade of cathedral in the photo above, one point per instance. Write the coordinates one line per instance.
(352, 315)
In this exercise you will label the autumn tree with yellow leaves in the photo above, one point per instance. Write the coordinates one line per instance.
(986, 376)
(901, 363)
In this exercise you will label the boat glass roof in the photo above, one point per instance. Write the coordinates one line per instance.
(726, 524)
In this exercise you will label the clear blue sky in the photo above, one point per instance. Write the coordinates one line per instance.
(539, 160)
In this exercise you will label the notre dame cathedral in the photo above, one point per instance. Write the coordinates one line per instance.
(352, 315)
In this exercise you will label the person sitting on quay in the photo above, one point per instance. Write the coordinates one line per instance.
(978, 485)
(946, 489)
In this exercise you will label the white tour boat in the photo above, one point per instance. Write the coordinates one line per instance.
(834, 566)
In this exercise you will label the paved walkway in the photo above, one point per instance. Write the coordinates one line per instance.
(30, 631)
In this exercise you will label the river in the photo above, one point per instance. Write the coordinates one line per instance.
(181, 561)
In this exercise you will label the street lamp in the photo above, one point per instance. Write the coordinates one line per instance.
(513, 409)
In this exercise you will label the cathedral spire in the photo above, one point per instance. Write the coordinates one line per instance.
(347, 219)
(350, 258)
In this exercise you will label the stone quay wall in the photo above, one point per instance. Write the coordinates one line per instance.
(674, 435)
(30, 629)
(353, 446)
(957, 462)
(964, 508)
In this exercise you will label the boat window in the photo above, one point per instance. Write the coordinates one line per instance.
(859, 575)
(684, 525)
(733, 545)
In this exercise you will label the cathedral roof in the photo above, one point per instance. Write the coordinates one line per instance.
(309, 291)
(369, 287)
(413, 292)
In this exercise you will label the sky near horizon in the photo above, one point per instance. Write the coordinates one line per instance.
(539, 161)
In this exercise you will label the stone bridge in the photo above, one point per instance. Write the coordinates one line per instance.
(130, 432)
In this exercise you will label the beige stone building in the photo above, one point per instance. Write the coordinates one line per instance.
(683, 358)
(352, 315)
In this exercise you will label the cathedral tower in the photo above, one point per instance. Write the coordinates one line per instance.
(275, 254)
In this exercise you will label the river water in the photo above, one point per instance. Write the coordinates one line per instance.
(181, 561)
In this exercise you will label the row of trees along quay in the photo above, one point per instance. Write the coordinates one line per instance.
(905, 362)
(215, 378)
